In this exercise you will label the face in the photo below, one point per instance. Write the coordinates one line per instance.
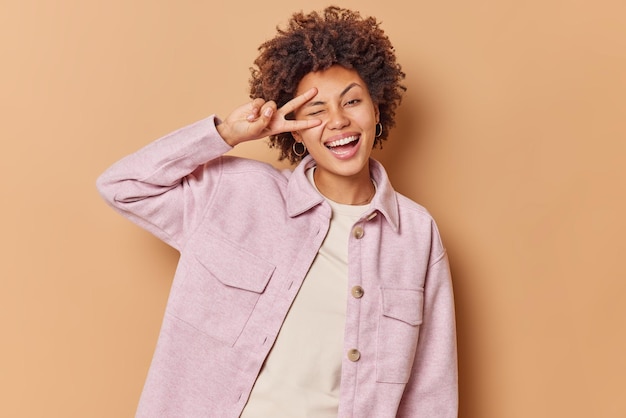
(341, 145)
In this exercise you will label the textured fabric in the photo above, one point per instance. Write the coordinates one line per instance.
(247, 235)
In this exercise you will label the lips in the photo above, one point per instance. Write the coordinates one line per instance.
(344, 147)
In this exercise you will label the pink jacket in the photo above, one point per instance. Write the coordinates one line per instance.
(247, 235)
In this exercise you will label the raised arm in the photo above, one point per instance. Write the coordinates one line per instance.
(165, 186)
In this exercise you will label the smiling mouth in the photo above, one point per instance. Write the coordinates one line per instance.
(347, 142)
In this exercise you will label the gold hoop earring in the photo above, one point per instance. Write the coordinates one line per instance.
(301, 153)
(379, 129)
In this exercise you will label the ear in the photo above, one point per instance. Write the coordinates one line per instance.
(377, 112)
(296, 135)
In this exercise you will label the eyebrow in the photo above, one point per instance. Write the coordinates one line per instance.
(343, 93)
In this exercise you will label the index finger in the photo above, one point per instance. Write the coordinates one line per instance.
(298, 101)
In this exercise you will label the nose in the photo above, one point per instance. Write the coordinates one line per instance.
(337, 119)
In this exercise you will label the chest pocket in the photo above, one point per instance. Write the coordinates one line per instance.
(398, 332)
(220, 287)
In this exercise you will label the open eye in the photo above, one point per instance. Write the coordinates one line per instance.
(353, 102)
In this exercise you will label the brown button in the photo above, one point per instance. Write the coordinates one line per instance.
(354, 355)
(357, 292)
(357, 232)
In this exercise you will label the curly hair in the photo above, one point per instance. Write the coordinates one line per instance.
(315, 42)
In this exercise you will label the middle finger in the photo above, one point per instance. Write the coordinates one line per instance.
(298, 101)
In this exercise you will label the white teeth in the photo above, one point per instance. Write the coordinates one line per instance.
(343, 141)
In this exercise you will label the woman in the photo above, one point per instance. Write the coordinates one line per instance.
(314, 293)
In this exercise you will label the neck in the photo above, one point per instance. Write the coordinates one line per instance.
(353, 190)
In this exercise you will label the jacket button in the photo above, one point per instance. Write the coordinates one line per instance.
(357, 292)
(354, 355)
(358, 232)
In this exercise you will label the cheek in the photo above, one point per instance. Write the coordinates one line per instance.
(311, 134)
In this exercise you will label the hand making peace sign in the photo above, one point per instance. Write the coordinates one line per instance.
(260, 118)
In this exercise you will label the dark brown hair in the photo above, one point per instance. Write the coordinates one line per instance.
(315, 42)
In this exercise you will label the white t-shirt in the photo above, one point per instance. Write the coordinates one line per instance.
(301, 375)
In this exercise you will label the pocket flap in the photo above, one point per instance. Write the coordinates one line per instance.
(405, 305)
(234, 266)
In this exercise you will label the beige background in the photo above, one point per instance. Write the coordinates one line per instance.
(512, 133)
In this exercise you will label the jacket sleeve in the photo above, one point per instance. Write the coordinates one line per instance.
(166, 186)
(432, 390)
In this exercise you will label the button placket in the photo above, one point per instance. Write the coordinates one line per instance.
(357, 292)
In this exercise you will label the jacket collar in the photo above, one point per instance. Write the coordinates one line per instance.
(302, 196)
